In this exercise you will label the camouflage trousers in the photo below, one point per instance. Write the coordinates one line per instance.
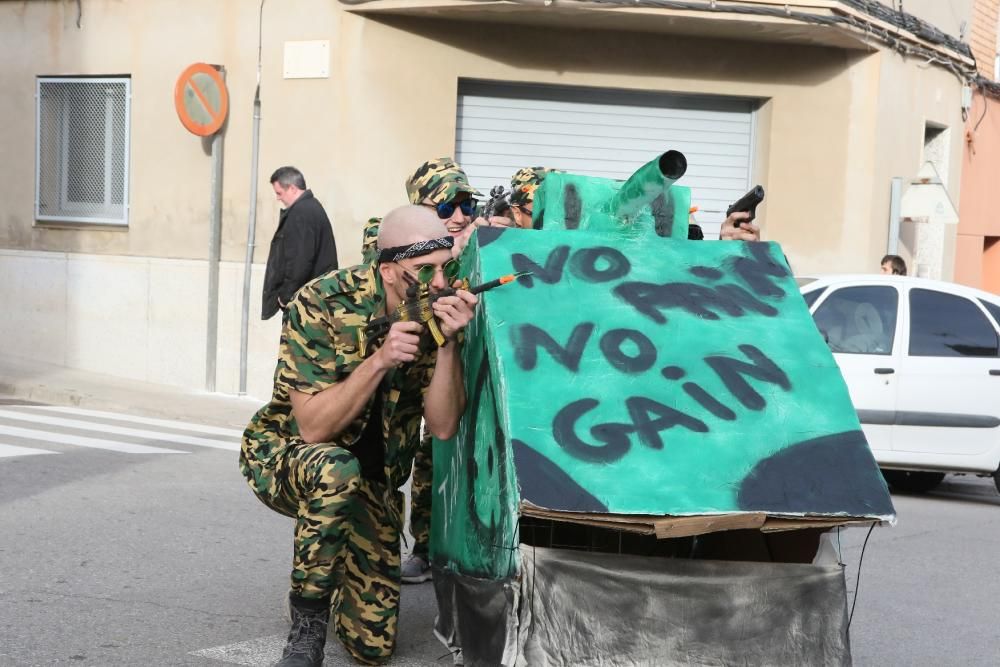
(421, 491)
(346, 541)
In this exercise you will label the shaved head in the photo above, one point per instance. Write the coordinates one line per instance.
(408, 224)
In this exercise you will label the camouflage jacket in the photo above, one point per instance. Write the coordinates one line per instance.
(319, 349)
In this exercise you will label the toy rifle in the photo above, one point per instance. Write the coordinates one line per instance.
(497, 204)
(417, 308)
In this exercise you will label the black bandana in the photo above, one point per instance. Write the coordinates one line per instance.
(415, 249)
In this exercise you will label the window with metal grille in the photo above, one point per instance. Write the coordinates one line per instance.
(82, 150)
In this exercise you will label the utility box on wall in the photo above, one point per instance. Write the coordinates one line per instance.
(928, 228)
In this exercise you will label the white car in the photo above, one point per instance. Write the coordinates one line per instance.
(922, 363)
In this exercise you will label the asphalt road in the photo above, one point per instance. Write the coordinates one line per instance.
(929, 594)
(114, 555)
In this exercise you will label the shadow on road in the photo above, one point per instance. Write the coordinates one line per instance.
(963, 489)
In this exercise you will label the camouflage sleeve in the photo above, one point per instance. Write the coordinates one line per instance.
(310, 358)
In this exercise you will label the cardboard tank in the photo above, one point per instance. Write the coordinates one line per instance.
(656, 441)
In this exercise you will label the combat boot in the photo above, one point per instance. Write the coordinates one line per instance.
(307, 638)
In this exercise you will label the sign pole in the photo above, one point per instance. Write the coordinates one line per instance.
(214, 256)
(251, 235)
(202, 103)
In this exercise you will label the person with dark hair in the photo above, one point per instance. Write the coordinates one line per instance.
(695, 232)
(303, 246)
(523, 185)
(893, 265)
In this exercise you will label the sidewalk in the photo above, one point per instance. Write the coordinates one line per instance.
(44, 383)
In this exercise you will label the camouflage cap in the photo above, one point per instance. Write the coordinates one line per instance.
(524, 183)
(438, 180)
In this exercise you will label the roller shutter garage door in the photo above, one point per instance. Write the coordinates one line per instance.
(610, 133)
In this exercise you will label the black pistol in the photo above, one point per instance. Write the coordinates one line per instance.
(747, 204)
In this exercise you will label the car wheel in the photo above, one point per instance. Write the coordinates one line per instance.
(996, 479)
(912, 482)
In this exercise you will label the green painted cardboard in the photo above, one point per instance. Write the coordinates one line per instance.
(571, 201)
(633, 373)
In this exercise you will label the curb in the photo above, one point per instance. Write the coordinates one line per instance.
(73, 388)
(56, 396)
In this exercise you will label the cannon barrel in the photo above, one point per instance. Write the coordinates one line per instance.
(647, 183)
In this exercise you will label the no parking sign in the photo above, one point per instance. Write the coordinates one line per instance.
(201, 99)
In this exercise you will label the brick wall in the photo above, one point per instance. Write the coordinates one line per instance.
(984, 34)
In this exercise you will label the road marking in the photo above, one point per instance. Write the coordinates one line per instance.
(262, 652)
(81, 441)
(119, 430)
(265, 651)
(167, 423)
(14, 450)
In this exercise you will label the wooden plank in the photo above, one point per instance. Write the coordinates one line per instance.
(611, 520)
(782, 524)
(665, 527)
(699, 525)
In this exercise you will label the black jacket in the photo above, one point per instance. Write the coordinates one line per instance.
(302, 248)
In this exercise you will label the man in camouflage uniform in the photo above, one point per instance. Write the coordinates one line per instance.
(439, 184)
(522, 193)
(442, 186)
(369, 241)
(338, 437)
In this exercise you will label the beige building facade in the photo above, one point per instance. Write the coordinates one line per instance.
(357, 94)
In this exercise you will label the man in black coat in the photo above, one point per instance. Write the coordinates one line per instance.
(303, 246)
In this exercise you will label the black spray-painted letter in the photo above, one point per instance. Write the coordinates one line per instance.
(527, 338)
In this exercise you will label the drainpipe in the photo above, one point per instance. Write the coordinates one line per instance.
(252, 226)
(895, 197)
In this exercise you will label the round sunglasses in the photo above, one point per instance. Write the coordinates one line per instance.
(447, 209)
(425, 272)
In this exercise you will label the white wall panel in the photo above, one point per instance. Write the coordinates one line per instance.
(178, 316)
(107, 314)
(140, 318)
(33, 295)
(263, 335)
